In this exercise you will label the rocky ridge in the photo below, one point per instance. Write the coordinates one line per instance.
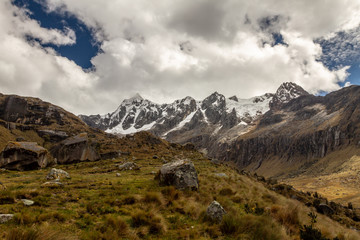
(217, 112)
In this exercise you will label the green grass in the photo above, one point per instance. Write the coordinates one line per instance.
(96, 204)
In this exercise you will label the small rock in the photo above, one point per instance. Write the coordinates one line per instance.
(155, 157)
(56, 174)
(222, 175)
(153, 173)
(215, 212)
(53, 184)
(6, 217)
(118, 174)
(27, 202)
(129, 166)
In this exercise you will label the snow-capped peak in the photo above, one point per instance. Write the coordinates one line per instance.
(286, 92)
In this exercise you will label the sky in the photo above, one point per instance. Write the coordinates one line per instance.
(88, 55)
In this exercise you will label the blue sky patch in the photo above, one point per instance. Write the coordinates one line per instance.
(85, 47)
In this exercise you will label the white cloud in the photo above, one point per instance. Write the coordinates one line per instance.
(228, 50)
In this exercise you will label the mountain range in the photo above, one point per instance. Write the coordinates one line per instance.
(289, 134)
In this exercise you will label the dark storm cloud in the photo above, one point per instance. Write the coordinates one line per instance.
(202, 18)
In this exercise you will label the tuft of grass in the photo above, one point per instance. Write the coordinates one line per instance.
(154, 222)
(251, 227)
(226, 192)
(153, 197)
(286, 216)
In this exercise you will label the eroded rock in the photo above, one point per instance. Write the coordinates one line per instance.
(75, 149)
(24, 156)
(181, 174)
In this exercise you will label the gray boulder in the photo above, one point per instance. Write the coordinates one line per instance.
(129, 166)
(23, 156)
(75, 149)
(181, 174)
(6, 217)
(56, 174)
(215, 212)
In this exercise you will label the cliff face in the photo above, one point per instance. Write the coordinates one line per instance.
(300, 131)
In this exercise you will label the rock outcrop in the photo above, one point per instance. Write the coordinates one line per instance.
(181, 174)
(24, 156)
(75, 149)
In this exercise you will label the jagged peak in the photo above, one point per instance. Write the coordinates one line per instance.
(136, 96)
(286, 92)
(290, 86)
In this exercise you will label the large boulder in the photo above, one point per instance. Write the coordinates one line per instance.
(75, 149)
(215, 212)
(181, 174)
(24, 156)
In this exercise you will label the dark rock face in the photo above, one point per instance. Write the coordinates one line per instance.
(181, 174)
(29, 111)
(23, 156)
(307, 127)
(75, 149)
(215, 212)
(214, 107)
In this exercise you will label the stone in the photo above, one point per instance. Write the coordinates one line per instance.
(215, 212)
(181, 174)
(325, 209)
(52, 184)
(24, 156)
(6, 217)
(221, 175)
(75, 149)
(118, 174)
(129, 166)
(27, 202)
(56, 174)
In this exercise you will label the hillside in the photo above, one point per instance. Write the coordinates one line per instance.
(97, 204)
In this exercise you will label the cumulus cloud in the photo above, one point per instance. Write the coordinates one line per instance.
(170, 49)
